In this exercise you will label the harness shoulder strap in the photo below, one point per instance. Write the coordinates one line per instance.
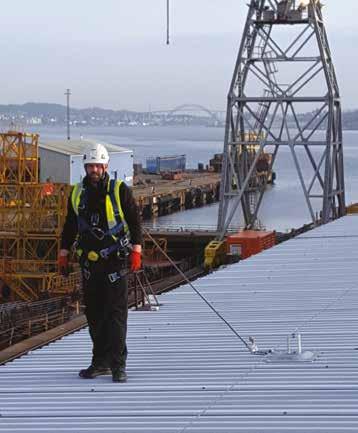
(76, 196)
(79, 201)
(83, 201)
(115, 203)
(118, 200)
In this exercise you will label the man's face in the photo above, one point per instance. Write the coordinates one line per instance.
(95, 171)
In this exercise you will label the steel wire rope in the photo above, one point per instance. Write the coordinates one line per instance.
(230, 388)
(197, 291)
(334, 301)
(261, 360)
(297, 328)
(323, 310)
(255, 365)
(168, 29)
(216, 399)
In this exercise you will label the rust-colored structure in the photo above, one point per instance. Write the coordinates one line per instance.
(249, 242)
(31, 217)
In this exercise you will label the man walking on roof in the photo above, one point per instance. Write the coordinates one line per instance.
(101, 216)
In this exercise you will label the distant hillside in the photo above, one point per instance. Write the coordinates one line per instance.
(35, 113)
(54, 110)
(350, 119)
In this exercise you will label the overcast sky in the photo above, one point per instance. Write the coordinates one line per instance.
(112, 53)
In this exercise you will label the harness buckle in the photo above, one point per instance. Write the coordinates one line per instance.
(104, 253)
(98, 233)
(94, 219)
(124, 242)
(86, 273)
(121, 244)
(114, 277)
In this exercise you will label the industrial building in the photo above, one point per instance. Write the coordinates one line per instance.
(188, 372)
(61, 161)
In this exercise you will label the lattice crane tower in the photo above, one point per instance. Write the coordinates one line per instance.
(284, 68)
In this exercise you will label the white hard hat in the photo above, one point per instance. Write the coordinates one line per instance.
(95, 154)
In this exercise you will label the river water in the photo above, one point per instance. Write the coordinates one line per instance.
(283, 207)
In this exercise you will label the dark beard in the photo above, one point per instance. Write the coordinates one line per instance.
(100, 186)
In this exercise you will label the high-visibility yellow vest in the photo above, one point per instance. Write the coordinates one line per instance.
(110, 214)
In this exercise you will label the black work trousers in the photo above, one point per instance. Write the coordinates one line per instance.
(106, 309)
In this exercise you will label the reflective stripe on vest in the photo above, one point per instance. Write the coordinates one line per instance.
(110, 215)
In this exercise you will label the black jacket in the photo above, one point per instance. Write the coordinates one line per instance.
(96, 204)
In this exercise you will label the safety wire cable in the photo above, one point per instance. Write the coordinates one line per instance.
(255, 365)
(248, 347)
(298, 327)
(323, 310)
(218, 398)
(243, 376)
(309, 321)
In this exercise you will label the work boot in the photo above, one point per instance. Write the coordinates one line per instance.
(119, 375)
(92, 371)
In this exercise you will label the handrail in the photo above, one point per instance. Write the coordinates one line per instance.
(187, 228)
(26, 319)
(11, 266)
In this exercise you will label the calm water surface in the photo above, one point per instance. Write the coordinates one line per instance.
(283, 206)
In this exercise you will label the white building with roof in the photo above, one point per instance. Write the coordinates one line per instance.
(62, 161)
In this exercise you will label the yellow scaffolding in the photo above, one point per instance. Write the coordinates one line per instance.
(30, 209)
(59, 285)
(31, 218)
(19, 159)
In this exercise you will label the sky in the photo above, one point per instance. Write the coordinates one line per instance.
(112, 53)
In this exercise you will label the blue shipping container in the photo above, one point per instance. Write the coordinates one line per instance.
(166, 163)
(152, 165)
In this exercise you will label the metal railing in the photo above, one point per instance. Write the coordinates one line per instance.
(22, 320)
(27, 319)
(175, 228)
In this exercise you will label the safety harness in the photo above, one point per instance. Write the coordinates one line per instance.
(117, 226)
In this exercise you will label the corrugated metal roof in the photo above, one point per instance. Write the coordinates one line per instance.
(76, 147)
(189, 373)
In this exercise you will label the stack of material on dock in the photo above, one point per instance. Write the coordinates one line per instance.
(189, 372)
(164, 197)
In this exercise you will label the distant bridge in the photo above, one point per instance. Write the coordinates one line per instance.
(216, 115)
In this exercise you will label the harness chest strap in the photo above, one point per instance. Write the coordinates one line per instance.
(114, 216)
(114, 211)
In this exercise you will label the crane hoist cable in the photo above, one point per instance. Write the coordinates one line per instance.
(247, 345)
(168, 22)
